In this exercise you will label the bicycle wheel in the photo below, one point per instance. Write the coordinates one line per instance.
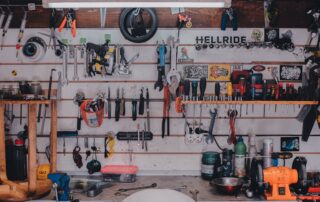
(138, 24)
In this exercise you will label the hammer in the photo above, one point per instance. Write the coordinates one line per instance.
(46, 106)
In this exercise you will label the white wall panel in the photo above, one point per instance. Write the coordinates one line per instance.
(171, 154)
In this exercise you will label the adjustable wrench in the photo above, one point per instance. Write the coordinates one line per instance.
(75, 65)
(173, 76)
(213, 116)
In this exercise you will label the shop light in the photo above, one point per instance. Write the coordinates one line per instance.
(136, 3)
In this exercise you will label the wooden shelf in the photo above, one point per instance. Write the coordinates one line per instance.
(262, 102)
(25, 102)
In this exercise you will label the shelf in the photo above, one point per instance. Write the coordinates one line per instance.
(262, 102)
(25, 102)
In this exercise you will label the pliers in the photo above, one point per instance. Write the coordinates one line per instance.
(70, 20)
(166, 109)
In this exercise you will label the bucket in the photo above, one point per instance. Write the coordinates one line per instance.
(209, 165)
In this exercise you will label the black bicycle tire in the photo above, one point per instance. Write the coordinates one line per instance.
(149, 35)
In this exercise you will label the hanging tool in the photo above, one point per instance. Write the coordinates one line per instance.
(77, 158)
(141, 103)
(46, 106)
(109, 142)
(232, 114)
(173, 76)
(194, 86)
(166, 109)
(70, 21)
(213, 115)
(148, 109)
(122, 103)
(117, 108)
(144, 137)
(6, 27)
(161, 50)
(109, 104)
(75, 65)
(78, 99)
(124, 65)
(21, 31)
(134, 109)
(203, 86)
(103, 15)
(64, 48)
(2, 16)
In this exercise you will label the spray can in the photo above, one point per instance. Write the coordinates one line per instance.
(267, 151)
(252, 152)
(239, 158)
(227, 167)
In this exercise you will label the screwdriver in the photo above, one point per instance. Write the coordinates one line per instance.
(117, 109)
(109, 104)
(141, 103)
(134, 109)
(194, 85)
(122, 104)
(203, 86)
(217, 90)
(187, 89)
(6, 27)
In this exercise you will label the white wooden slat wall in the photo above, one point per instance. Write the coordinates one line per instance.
(169, 155)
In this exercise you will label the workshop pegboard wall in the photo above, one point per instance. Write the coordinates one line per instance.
(169, 155)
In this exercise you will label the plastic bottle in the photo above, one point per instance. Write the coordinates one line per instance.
(267, 151)
(252, 151)
(239, 159)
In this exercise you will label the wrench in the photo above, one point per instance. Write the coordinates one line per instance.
(137, 188)
(173, 76)
(59, 88)
(75, 65)
(213, 115)
(64, 79)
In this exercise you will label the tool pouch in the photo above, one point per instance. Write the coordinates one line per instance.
(92, 119)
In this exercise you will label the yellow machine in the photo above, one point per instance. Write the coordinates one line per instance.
(280, 178)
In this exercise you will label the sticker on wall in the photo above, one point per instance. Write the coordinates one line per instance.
(270, 34)
(291, 72)
(195, 71)
(219, 72)
(290, 144)
(183, 56)
(258, 68)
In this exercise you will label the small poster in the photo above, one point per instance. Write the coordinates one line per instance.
(219, 72)
(290, 144)
(195, 71)
(291, 72)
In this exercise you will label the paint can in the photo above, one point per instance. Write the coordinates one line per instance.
(209, 165)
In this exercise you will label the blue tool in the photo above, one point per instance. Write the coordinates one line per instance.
(161, 66)
(60, 181)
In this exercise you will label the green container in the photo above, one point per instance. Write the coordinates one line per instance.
(209, 165)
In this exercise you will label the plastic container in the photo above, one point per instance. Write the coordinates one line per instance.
(239, 158)
(210, 163)
(16, 159)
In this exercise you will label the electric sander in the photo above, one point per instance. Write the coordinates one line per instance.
(275, 182)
